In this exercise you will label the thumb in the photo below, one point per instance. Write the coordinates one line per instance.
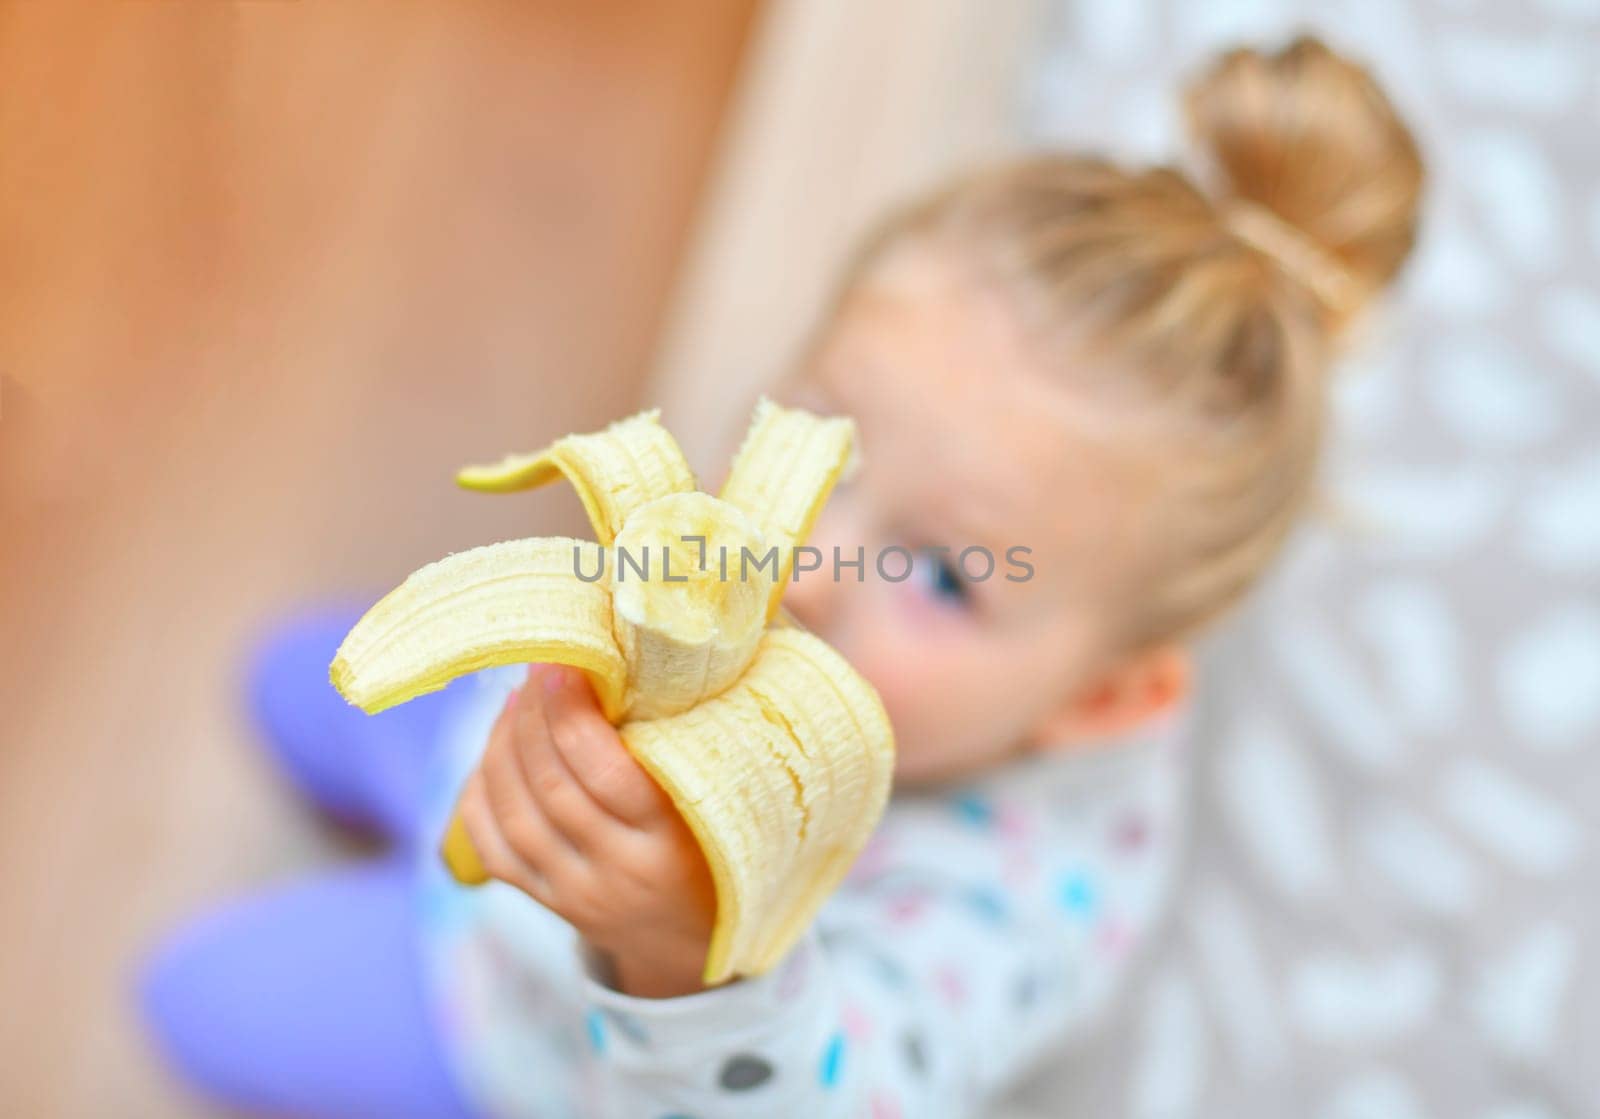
(564, 682)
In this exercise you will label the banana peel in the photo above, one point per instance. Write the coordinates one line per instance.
(777, 753)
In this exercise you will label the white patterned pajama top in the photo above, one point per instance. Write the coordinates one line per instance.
(982, 929)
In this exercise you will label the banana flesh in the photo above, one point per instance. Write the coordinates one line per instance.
(782, 475)
(688, 625)
(775, 751)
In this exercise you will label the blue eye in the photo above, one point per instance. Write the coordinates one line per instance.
(945, 581)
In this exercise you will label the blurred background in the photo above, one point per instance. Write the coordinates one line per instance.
(269, 271)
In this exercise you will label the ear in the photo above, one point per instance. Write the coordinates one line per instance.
(1135, 692)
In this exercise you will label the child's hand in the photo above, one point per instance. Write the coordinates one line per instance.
(559, 809)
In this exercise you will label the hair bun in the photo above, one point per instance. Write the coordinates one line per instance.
(1305, 140)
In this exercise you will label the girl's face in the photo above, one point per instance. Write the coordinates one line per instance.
(966, 444)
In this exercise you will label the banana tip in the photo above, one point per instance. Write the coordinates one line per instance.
(461, 857)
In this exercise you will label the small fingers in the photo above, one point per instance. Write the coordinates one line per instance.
(509, 786)
(559, 793)
(494, 851)
(591, 750)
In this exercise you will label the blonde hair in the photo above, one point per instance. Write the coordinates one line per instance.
(1212, 315)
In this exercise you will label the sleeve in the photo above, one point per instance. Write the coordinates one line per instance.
(974, 937)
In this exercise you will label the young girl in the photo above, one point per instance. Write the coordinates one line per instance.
(1110, 368)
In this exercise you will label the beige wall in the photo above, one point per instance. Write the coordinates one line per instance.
(844, 108)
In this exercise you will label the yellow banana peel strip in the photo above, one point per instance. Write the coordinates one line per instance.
(782, 778)
(777, 753)
(614, 471)
(782, 475)
(518, 601)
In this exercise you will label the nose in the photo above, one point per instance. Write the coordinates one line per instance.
(813, 596)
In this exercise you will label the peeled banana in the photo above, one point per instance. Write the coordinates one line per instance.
(776, 752)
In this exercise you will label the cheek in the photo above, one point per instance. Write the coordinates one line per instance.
(910, 654)
(957, 693)
(911, 687)
(945, 701)
(903, 675)
(883, 662)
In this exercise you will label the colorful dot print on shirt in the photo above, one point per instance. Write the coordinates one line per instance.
(744, 1072)
(832, 1066)
(595, 1024)
(974, 810)
(981, 925)
(988, 903)
(1078, 894)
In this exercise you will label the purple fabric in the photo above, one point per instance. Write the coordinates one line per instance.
(308, 1000)
(367, 771)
